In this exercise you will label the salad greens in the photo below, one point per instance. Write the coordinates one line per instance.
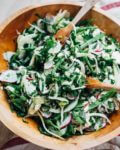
(47, 81)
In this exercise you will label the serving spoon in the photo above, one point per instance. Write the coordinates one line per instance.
(63, 34)
(95, 83)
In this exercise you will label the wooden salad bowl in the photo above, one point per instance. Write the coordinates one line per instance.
(30, 132)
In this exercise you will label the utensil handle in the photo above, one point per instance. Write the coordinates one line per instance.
(88, 5)
(94, 83)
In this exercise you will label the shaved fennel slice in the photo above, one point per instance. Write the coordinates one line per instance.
(82, 66)
(44, 126)
(36, 104)
(96, 62)
(29, 87)
(61, 14)
(9, 76)
(7, 55)
(25, 39)
(37, 28)
(116, 75)
(46, 115)
(62, 114)
(99, 115)
(71, 106)
(58, 98)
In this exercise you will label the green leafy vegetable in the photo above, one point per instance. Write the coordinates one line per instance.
(47, 81)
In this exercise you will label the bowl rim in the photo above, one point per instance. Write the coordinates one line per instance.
(54, 2)
(58, 143)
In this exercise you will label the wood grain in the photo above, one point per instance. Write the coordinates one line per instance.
(29, 131)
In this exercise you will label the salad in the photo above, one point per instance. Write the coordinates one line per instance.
(47, 81)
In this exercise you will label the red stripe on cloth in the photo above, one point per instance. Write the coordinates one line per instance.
(14, 142)
(111, 5)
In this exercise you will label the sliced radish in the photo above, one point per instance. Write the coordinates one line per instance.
(46, 115)
(66, 121)
(49, 17)
(70, 97)
(116, 56)
(87, 103)
(29, 78)
(98, 95)
(9, 76)
(97, 50)
(62, 99)
(99, 115)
